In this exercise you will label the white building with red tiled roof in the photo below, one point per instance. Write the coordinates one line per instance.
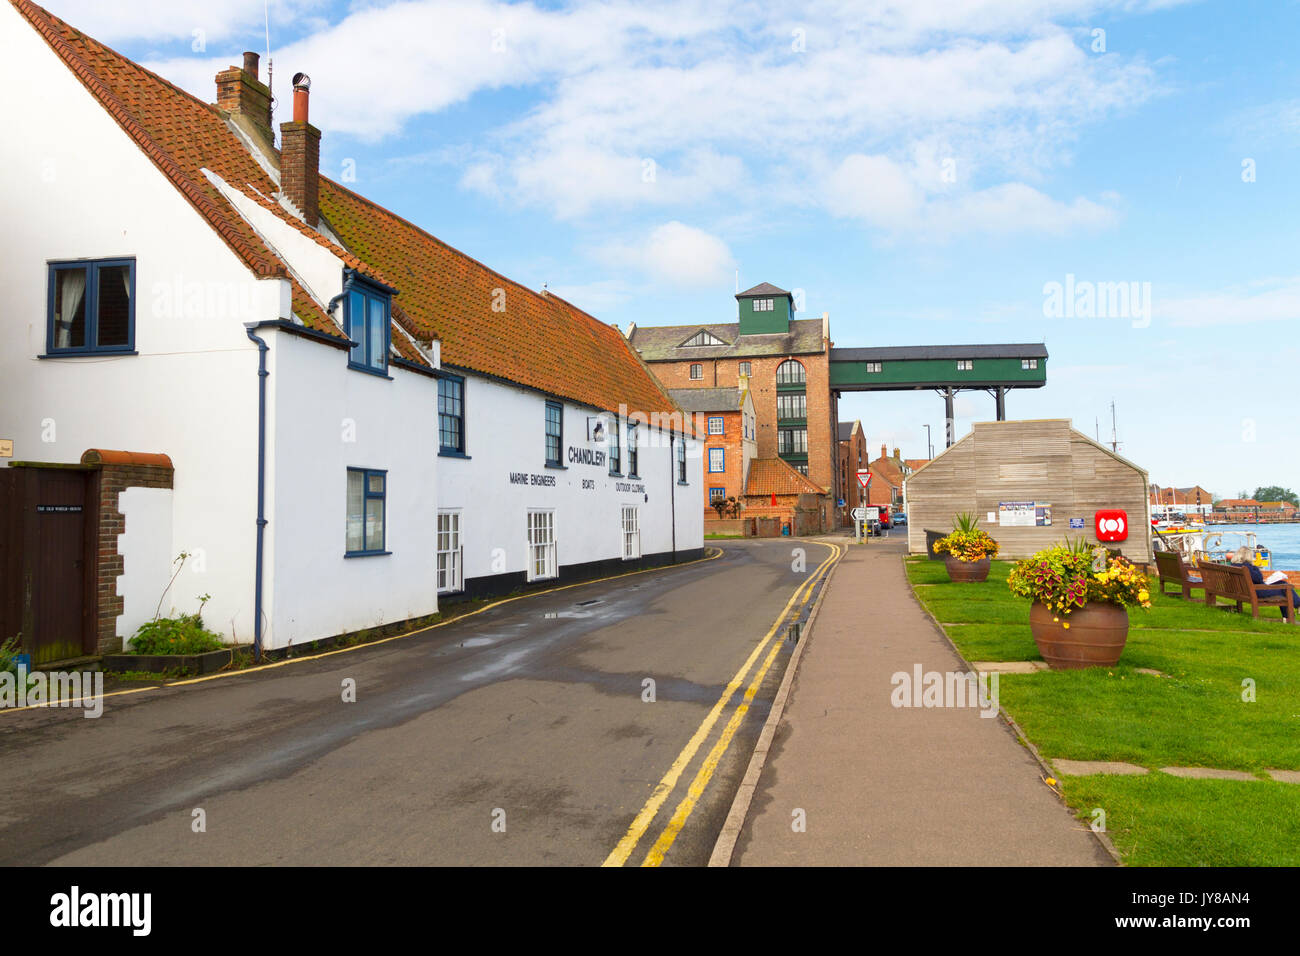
(336, 416)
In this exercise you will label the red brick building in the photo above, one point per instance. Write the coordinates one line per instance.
(777, 490)
(888, 472)
(787, 361)
(1193, 496)
(853, 458)
(726, 426)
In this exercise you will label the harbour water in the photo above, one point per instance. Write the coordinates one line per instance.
(1282, 539)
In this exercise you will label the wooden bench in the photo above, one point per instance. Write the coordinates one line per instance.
(1174, 570)
(1232, 581)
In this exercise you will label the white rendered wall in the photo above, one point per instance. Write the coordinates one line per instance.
(325, 418)
(191, 392)
(147, 562)
(505, 434)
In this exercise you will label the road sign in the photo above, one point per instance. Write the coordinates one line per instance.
(859, 514)
(864, 477)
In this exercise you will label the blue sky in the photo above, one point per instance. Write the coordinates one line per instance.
(921, 170)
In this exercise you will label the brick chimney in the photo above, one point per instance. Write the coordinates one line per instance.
(897, 455)
(248, 101)
(884, 450)
(300, 156)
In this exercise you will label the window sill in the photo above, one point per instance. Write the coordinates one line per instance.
(684, 484)
(86, 353)
(364, 554)
(557, 466)
(377, 373)
(449, 453)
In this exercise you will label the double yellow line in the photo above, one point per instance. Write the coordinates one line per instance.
(619, 855)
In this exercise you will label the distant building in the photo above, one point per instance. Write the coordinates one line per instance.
(787, 361)
(726, 425)
(1191, 499)
(853, 458)
(776, 490)
(1249, 506)
(888, 474)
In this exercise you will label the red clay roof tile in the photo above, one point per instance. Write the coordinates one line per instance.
(768, 476)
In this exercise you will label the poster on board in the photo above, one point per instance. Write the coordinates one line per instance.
(1024, 514)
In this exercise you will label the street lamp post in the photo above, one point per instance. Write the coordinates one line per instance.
(929, 446)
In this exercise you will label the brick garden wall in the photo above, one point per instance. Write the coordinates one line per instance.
(115, 476)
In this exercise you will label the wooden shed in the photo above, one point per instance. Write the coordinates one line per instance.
(1032, 484)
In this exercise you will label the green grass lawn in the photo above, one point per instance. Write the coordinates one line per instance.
(1193, 716)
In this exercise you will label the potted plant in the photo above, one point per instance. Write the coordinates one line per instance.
(1079, 617)
(968, 550)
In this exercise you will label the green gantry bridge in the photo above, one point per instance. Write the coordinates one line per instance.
(947, 369)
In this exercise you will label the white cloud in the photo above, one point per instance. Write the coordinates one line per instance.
(158, 20)
(874, 189)
(675, 253)
(598, 297)
(887, 195)
(1273, 300)
(712, 91)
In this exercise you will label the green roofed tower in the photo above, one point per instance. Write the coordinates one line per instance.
(765, 310)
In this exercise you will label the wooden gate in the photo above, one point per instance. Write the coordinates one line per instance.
(48, 534)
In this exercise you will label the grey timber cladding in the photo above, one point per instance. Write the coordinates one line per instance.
(1044, 461)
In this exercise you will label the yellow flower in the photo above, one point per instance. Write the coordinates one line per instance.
(1051, 781)
(1066, 625)
(1143, 596)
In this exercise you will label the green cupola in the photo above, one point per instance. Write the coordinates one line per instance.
(765, 310)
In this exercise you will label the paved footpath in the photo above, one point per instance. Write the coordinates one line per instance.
(884, 786)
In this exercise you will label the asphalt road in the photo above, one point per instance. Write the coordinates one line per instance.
(518, 736)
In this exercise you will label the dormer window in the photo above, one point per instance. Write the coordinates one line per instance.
(763, 305)
(702, 337)
(366, 320)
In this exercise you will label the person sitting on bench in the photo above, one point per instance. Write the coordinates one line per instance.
(1246, 556)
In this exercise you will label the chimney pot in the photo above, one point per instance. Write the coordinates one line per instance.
(300, 156)
(897, 455)
(241, 94)
(301, 89)
(884, 450)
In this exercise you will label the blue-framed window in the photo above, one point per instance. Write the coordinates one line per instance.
(367, 497)
(632, 451)
(681, 461)
(717, 460)
(451, 414)
(716, 493)
(715, 425)
(554, 432)
(91, 307)
(366, 310)
(615, 452)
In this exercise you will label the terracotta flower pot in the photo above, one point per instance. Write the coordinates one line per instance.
(1095, 638)
(959, 570)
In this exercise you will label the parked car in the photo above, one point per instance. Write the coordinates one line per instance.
(900, 518)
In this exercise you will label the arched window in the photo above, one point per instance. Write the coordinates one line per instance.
(790, 373)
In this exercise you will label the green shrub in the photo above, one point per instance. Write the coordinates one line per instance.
(9, 655)
(175, 635)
